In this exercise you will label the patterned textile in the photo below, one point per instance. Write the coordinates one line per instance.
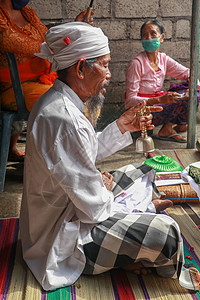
(181, 88)
(176, 113)
(17, 282)
(24, 42)
(126, 176)
(122, 239)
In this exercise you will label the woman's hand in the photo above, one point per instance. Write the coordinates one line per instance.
(107, 180)
(131, 120)
(81, 17)
(172, 97)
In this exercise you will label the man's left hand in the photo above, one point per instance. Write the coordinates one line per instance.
(130, 120)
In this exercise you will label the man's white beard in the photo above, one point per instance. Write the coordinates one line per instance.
(94, 108)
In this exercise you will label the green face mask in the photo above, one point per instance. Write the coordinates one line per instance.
(151, 45)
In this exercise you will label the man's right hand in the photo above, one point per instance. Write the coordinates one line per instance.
(107, 180)
(131, 120)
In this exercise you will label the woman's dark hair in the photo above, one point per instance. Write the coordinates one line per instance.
(155, 22)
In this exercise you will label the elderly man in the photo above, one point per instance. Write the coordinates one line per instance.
(71, 222)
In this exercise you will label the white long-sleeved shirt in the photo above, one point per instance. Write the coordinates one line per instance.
(64, 195)
(142, 78)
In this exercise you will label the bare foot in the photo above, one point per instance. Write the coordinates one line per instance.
(162, 204)
(176, 136)
(137, 268)
(167, 131)
(16, 155)
(180, 128)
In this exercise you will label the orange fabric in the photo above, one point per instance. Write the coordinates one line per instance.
(32, 91)
(35, 73)
(48, 78)
(23, 41)
(30, 69)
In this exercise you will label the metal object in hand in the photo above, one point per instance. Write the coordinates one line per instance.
(89, 11)
(144, 143)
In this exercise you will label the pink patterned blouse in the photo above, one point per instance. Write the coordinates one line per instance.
(142, 79)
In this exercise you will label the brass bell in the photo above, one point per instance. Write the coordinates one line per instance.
(144, 144)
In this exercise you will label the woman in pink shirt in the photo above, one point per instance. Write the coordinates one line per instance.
(144, 81)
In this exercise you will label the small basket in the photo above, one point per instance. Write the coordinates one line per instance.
(163, 163)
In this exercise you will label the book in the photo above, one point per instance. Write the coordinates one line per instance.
(168, 178)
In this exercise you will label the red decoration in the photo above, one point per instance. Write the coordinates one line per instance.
(189, 257)
(67, 40)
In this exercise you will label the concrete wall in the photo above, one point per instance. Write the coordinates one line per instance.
(121, 21)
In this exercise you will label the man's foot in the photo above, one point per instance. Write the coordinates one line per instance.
(162, 204)
(180, 128)
(137, 268)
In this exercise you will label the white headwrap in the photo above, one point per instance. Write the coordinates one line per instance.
(67, 43)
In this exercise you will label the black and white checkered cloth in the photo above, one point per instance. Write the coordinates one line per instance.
(153, 239)
(126, 176)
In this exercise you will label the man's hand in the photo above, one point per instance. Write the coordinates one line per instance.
(107, 180)
(130, 120)
(81, 17)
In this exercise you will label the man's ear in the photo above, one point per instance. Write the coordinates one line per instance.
(80, 66)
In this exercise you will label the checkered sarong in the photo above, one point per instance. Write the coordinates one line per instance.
(153, 239)
(126, 176)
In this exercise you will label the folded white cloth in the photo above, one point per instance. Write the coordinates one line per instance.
(138, 197)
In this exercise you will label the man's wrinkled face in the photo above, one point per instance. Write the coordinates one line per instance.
(97, 78)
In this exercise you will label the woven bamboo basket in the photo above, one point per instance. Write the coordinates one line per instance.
(179, 193)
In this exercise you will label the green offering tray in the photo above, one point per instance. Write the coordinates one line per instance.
(163, 163)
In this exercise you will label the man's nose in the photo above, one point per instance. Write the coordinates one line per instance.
(108, 74)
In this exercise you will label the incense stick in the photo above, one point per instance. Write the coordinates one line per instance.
(89, 11)
(91, 3)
